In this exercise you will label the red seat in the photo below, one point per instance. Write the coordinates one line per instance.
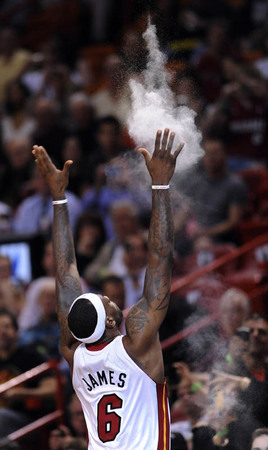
(200, 259)
(249, 229)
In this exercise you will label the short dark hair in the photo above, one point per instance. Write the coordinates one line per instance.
(82, 319)
(256, 316)
(7, 312)
(259, 432)
(109, 120)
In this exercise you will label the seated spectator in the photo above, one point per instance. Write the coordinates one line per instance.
(260, 439)
(114, 98)
(209, 66)
(74, 433)
(16, 122)
(233, 309)
(135, 262)
(90, 236)
(251, 404)
(15, 183)
(125, 220)
(78, 179)
(5, 218)
(21, 404)
(81, 121)
(39, 208)
(13, 59)
(240, 116)
(12, 296)
(113, 287)
(209, 179)
(107, 145)
(45, 335)
(49, 131)
(115, 182)
(76, 420)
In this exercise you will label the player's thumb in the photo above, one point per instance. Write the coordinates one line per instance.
(66, 167)
(145, 154)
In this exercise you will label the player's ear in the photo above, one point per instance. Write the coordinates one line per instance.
(110, 322)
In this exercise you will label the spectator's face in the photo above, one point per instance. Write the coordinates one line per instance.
(214, 158)
(77, 417)
(81, 113)
(44, 114)
(19, 153)
(124, 222)
(56, 439)
(260, 443)
(72, 150)
(190, 403)
(135, 256)
(48, 260)
(232, 315)
(8, 334)
(108, 136)
(47, 301)
(258, 338)
(115, 292)
(5, 268)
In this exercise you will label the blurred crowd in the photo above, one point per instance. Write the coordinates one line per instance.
(70, 94)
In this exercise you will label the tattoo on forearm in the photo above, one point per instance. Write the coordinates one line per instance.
(68, 283)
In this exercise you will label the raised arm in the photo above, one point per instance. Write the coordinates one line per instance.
(144, 319)
(68, 284)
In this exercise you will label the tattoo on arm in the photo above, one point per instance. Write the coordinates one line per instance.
(67, 277)
(158, 274)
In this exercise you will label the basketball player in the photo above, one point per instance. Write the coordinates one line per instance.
(118, 379)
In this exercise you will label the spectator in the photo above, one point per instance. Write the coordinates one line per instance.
(135, 261)
(38, 206)
(5, 218)
(46, 333)
(233, 309)
(90, 236)
(227, 195)
(260, 439)
(114, 98)
(15, 183)
(76, 419)
(113, 287)
(209, 66)
(240, 115)
(16, 122)
(251, 407)
(125, 221)
(21, 404)
(79, 178)
(13, 60)
(49, 131)
(81, 122)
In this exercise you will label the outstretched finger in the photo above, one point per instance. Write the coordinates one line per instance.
(157, 140)
(165, 138)
(170, 141)
(179, 149)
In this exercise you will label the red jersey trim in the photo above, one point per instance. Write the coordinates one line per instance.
(163, 418)
(95, 348)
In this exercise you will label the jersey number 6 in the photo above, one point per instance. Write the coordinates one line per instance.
(109, 422)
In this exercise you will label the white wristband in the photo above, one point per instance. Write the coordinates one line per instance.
(59, 202)
(160, 186)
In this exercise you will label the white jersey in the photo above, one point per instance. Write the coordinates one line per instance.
(123, 407)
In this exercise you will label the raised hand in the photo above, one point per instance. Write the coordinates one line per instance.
(56, 179)
(162, 164)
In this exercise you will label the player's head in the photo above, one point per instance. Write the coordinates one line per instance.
(90, 315)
